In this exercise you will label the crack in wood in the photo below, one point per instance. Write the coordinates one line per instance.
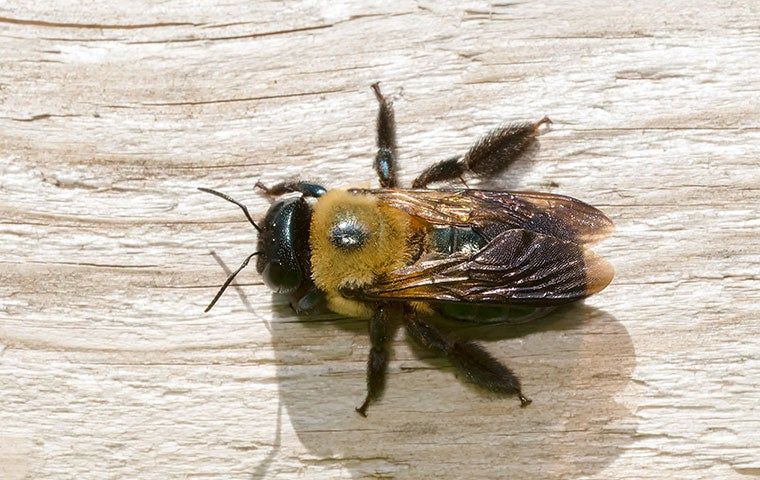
(234, 37)
(42, 116)
(98, 26)
(243, 99)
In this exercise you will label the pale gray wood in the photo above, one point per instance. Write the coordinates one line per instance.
(112, 114)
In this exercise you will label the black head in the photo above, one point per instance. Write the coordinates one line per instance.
(283, 246)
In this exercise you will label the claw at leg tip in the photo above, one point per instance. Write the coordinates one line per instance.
(544, 121)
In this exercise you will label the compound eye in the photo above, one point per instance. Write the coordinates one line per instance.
(348, 233)
(281, 278)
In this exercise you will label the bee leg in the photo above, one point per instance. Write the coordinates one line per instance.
(385, 160)
(502, 146)
(307, 189)
(470, 358)
(379, 334)
(448, 169)
(489, 156)
(307, 300)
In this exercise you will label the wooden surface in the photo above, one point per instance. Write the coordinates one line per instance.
(111, 115)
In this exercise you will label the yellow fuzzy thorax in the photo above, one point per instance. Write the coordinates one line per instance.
(386, 248)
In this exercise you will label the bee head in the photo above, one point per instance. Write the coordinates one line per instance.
(283, 245)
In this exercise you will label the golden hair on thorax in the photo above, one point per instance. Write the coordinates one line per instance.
(384, 233)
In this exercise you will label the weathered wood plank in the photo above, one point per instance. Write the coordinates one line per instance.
(110, 116)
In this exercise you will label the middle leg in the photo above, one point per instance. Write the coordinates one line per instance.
(385, 160)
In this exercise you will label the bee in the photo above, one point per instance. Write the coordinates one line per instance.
(393, 254)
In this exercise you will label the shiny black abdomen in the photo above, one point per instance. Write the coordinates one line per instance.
(449, 240)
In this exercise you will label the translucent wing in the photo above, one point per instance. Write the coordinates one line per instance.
(517, 267)
(493, 212)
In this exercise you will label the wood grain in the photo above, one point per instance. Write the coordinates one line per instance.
(112, 114)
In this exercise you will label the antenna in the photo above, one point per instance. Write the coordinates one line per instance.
(229, 280)
(232, 200)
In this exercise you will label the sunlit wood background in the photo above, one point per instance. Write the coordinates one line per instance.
(112, 113)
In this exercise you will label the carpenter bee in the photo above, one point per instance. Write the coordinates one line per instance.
(412, 254)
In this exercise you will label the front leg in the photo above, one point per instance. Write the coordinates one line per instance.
(307, 299)
(307, 189)
(379, 334)
(385, 160)
(470, 358)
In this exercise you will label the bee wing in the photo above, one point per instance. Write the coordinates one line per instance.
(492, 212)
(517, 267)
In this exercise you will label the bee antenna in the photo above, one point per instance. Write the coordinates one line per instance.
(229, 280)
(232, 200)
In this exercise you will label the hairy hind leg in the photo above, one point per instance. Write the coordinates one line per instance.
(470, 358)
(488, 156)
(385, 160)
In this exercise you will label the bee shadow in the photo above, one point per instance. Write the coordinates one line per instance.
(573, 363)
